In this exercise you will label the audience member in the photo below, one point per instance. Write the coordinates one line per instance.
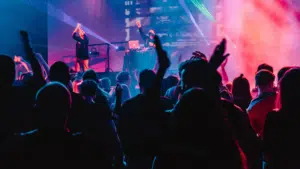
(241, 92)
(142, 118)
(169, 82)
(174, 92)
(265, 66)
(97, 127)
(281, 72)
(101, 96)
(49, 118)
(264, 103)
(105, 84)
(281, 138)
(60, 72)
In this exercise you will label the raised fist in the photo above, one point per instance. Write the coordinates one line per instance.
(138, 24)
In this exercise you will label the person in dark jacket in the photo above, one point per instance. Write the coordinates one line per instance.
(82, 53)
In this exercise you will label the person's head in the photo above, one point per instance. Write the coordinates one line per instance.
(281, 72)
(169, 82)
(198, 73)
(90, 75)
(7, 71)
(266, 67)
(195, 104)
(146, 80)
(123, 78)
(125, 93)
(53, 103)
(264, 81)
(181, 67)
(289, 90)
(88, 88)
(241, 88)
(151, 34)
(105, 84)
(60, 72)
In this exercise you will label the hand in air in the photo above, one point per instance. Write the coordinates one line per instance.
(78, 27)
(219, 55)
(163, 60)
(198, 55)
(24, 35)
(223, 65)
(138, 24)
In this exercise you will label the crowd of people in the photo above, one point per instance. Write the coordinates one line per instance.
(195, 120)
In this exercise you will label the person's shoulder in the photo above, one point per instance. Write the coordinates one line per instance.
(134, 99)
(11, 149)
(76, 96)
(228, 104)
(172, 88)
(167, 103)
(230, 108)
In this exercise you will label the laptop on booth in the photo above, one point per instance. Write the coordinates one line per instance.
(134, 44)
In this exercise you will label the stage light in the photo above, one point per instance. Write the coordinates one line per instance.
(199, 4)
(186, 9)
(120, 48)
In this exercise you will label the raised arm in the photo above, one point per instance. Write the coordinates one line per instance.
(163, 65)
(139, 25)
(38, 78)
(74, 34)
(223, 72)
(219, 55)
(43, 63)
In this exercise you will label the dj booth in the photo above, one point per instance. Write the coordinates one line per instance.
(139, 59)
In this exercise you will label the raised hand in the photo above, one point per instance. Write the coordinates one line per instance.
(163, 60)
(138, 24)
(26, 44)
(24, 36)
(78, 27)
(198, 55)
(223, 65)
(38, 78)
(219, 55)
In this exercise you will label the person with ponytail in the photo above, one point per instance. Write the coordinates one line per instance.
(241, 92)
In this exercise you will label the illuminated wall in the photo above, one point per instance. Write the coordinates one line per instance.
(17, 15)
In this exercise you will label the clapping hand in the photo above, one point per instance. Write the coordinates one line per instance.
(219, 55)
